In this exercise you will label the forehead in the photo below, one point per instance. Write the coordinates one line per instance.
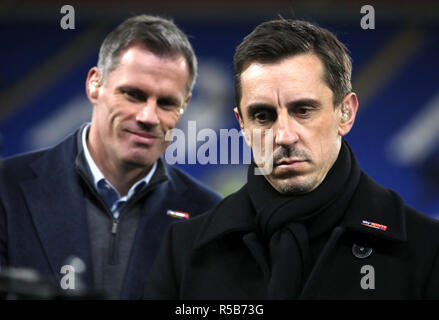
(299, 76)
(138, 61)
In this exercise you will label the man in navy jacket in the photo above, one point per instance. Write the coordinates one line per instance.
(104, 196)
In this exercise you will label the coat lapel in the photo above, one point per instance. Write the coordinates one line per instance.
(56, 204)
(373, 204)
(320, 270)
(225, 219)
(258, 252)
(148, 238)
(337, 272)
(152, 227)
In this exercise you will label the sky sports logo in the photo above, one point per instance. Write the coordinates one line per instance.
(374, 225)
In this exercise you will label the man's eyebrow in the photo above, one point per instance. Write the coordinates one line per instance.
(130, 88)
(165, 98)
(170, 100)
(304, 102)
(255, 107)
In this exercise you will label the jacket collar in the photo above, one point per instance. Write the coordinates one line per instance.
(234, 214)
(370, 203)
(376, 211)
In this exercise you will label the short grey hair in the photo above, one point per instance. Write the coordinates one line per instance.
(160, 35)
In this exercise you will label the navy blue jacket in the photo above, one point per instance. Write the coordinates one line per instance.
(43, 216)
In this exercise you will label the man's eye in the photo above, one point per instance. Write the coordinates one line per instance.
(303, 111)
(134, 95)
(263, 117)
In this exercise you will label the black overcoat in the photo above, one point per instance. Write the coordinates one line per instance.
(218, 255)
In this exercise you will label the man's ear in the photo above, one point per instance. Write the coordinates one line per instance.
(244, 131)
(238, 117)
(92, 85)
(347, 113)
(184, 106)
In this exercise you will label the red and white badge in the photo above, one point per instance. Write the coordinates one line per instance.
(178, 214)
(374, 225)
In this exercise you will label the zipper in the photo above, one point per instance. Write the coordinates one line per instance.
(113, 256)
(113, 251)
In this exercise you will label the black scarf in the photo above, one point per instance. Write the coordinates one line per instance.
(289, 223)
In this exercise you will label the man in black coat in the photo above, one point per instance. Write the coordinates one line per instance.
(95, 207)
(309, 223)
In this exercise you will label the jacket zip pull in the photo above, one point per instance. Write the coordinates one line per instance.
(113, 253)
(114, 227)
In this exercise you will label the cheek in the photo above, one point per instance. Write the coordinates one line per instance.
(106, 117)
(168, 119)
(267, 141)
(117, 113)
(322, 138)
(329, 144)
(262, 144)
(258, 136)
(123, 114)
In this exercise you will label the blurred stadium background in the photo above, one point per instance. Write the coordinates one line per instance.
(396, 136)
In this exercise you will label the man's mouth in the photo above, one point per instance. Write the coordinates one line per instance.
(143, 137)
(289, 163)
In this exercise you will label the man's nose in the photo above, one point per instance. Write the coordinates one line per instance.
(285, 131)
(148, 114)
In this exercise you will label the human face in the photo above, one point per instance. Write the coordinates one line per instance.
(291, 99)
(135, 106)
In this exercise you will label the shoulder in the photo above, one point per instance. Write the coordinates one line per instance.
(418, 225)
(421, 224)
(18, 167)
(194, 188)
(28, 165)
(190, 228)
(195, 224)
(415, 220)
(223, 213)
(13, 172)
